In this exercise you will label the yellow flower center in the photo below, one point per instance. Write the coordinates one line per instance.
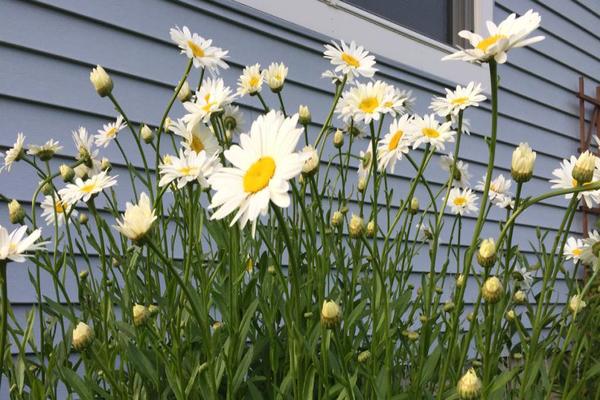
(259, 174)
(88, 187)
(430, 133)
(111, 132)
(459, 100)
(395, 140)
(12, 247)
(460, 201)
(575, 183)
(577, 252)
(254, 80)
(369, 104)
(351, 61)
(489, 41)
(186, 170)
(207, 107)
(197, 51)
(59, 207)
(196, 144)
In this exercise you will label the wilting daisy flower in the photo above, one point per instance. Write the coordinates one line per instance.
(233, 118)
(212, 97)
(13, 246)
(199, 49)
(263, 163)
(457, 100)
(14, 153)
(109, 131)
(251, 80)
(498, 192)
(364, 162)
(424, 231)
(466, 124)
(45, 151)
(364, 102)
(462, 201)
(564, 180)
(351, 60)
(275, 76)
(84, 190)
(55, 210)
(397, 101)
(588, 253)
(461, 174)
(137, 219)
(394, 144)
(510, 33)
(84, 143)
(525, 277)
(428, 130)
(573, 249)
(335, 77)
(197, 137)
(189, 167)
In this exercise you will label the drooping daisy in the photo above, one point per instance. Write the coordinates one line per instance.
(524, 276)
(462, 174)
(55, 210)
(564, 180)
(137, 219)
(364, 162)
(510, 33)
(364, 102)
(84, 143)
(424, 231)
(351, 60)
(199, 49)
(462, 201)
(263, 163)
(196, 137)
(498, 192)
(45, 151)
(14, 153)
(588, 253)
(84, 190)
(189, 167)
(573, 249)
(211, 98)
(275, 76)
(251, 80)
(394, 144)
(457, 100)
(15, 245)
(109, 132)
(428, 130)
(233, 118)
(398, 101)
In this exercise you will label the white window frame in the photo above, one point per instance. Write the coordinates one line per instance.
(344, 21)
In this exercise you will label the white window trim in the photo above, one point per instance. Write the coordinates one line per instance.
(382, 37)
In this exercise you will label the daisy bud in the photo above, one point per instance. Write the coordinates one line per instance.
(470, 316)
(576, 304)
(364, 356)
(137, 219)
(101, 81)
(338, 139)
(217, 325)
(47, 189)
(66, 173)
(147, 134)
(141, 314)
(337, 218)
(84, 274)
(414, 206)
(371, 229)
(423, 319)
(331, 314)
(486, 256)
(517, 356)
(449, 306)
(304, 114)
(153, 310)
(271, 269)
(362, 184)
(105, 165)
(167, 124)
(411, 335)
(354, 130)
(583, 171)
(356, 226)
(16, 214)
(82, 336)
(185, 94)
(492, 290)
(311, 163)
(249, 265)
(275, 76)
(460, 281)
(519, 297)
(510, 315)
(83, 219)
(523, 159)
(469, 386)
(81, 171)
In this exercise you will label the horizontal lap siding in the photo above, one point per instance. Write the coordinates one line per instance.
(48, 47)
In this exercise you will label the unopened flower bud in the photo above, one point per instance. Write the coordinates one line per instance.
(449, 306)
(492, 290)
(271, 269)
(304, 115)
(583, 171)
(356, 226)
(153, 310)
(66, 173)
(83, 219)
(362, 184)
(84, 274)
(16, 214)
(523, 159)
(167, 124)
(414, 206)
(217, 325)
(337, 218)
(47, 188)
(486, 256)
(311, 161)
(411, 335)
(338, 139)
(519, 297)
(517, 356)
(184, 94)
(82, 336)
(331, 314)
(140, 314)
(423, 319)
(105, 165)
(364, 356)
(371, 229)
(576, 304)
(470, 316)
(510, 315)
(460, 281)
(101, 81)
(147, 134)
(469, 386)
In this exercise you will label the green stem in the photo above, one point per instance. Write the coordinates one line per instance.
(4, 293)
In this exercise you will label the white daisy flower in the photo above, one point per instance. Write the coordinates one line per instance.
(109, 132)
(189, 167)
(196, 137)
(364, 162)
(13, 246)
(233, 118)
(498, 193)
(364, 102)
(251, 80)
(55, 210)
(523, 276)
(424, 231)
(462, 201)
(397, 101)
(45, 151)
(263, 163)
(84, 143)
(137, 219)
(564, 180)
(427, 129)
(573, 249)
(199, 49)
(14, 153)
(275, 76)
(457, 100)
(335, 77)
(351, 60)
(466, 124)
(84, 190)
(588, 255)
(394, 144)
(212, 97)
(510, 33)
(462, 169)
